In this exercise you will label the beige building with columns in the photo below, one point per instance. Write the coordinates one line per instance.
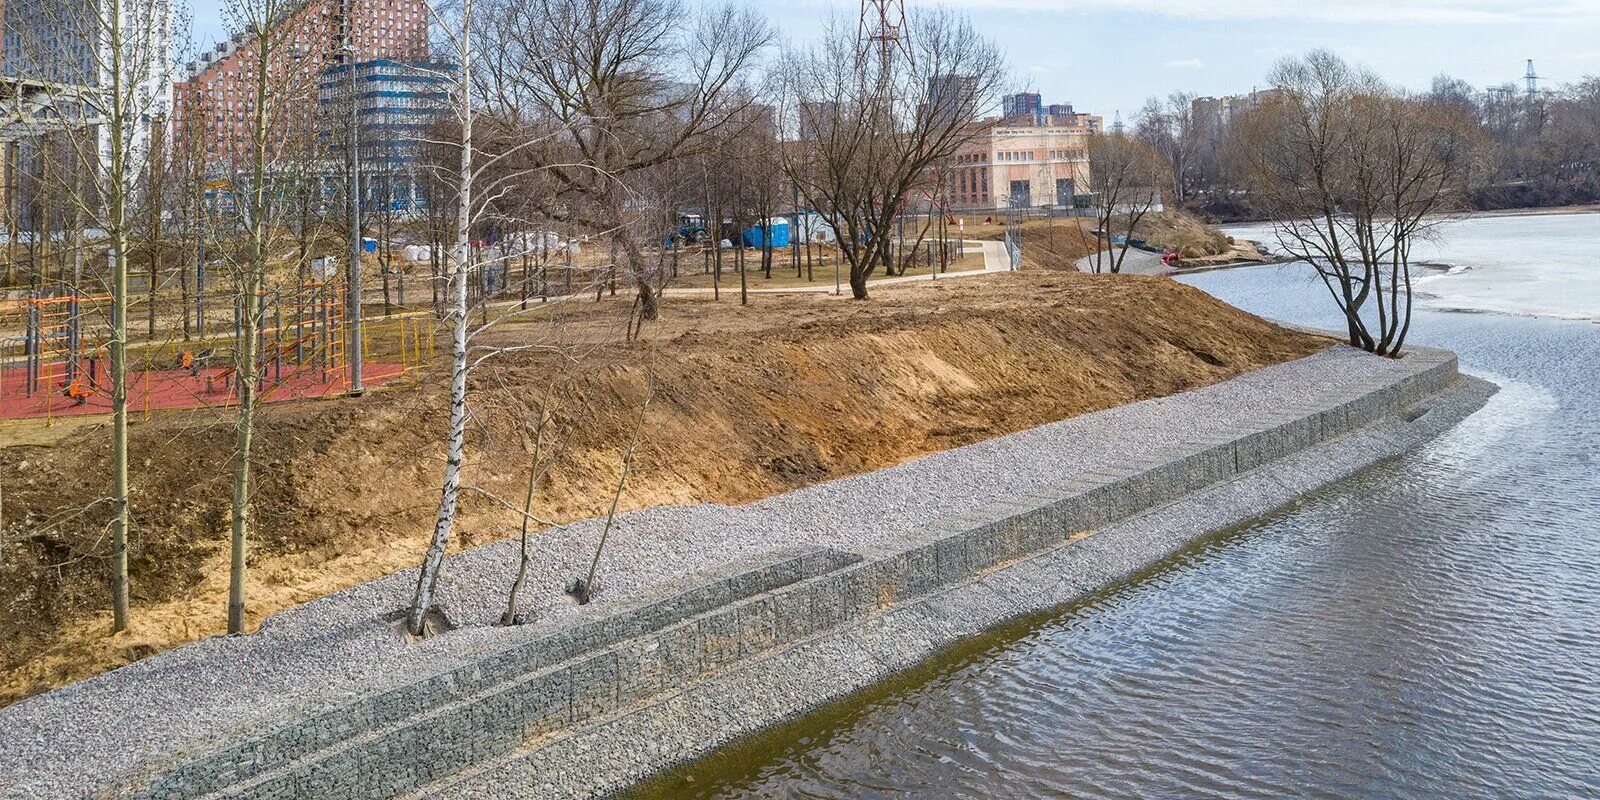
(1042, 165)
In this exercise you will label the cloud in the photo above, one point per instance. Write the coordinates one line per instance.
(1347, 11)
(1186, 63)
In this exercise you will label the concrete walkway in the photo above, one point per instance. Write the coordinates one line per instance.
(1137, 262)
(994, 260)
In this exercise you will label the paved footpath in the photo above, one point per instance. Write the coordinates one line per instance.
(994, 260)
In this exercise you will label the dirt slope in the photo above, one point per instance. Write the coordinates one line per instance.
(752, 401)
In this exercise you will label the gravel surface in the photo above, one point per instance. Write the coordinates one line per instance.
(193, 698)
(1137, 262)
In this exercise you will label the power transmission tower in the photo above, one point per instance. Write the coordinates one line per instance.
(1532, 78)
(881, 32)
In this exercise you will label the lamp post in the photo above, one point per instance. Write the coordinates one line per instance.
(353, 278)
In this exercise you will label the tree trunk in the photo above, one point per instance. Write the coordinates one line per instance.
(244, 376)
(455, 443)
(455, 447)
(120, 512)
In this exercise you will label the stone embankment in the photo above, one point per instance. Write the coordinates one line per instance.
(713, 621)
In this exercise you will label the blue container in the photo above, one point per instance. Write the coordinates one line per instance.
(756, 236)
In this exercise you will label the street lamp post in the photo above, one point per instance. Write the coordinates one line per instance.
(353, 278)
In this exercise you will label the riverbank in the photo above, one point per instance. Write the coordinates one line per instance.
(1227, 221)
(274, 713)
(754, 400)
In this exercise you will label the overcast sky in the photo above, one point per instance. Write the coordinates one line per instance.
(1105, 55)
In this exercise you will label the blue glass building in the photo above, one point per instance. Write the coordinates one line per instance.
(397, 103)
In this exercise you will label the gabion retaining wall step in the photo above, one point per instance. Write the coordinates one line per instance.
(404, 738)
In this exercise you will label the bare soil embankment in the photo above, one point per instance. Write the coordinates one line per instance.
(752, 401)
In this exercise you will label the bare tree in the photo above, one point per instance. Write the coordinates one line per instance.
(544, 446)
(488, 169)
(255, 228)
(872, 126)
(1354, 173)
(619, 87)
(1170, 128)
(1125, 174)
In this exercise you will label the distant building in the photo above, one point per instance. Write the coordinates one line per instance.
(213, 105)
(396, 103)
(1026, 108)
(817, 119)
(1212, 115)
(1022, 106)
(1033, 165)
(50, 68)
(954, 97)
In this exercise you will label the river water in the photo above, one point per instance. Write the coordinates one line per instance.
(1429, 629)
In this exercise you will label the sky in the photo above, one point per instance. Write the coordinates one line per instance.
(1109, 55)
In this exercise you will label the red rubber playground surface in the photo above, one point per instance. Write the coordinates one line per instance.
(155, 390)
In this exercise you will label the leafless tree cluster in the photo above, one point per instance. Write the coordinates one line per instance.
(1128, 176)
(1169, 127)
(1544, 146)
(605, 93)
(1354, 173)
(871, 128)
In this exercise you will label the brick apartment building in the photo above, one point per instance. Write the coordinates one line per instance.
(213, 105)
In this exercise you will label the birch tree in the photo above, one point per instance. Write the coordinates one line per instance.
(110, 66)
(460, 34)
(482, 181)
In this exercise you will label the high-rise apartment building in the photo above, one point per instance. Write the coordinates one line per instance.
(56, 59)
(396, 102)
(817, 118)
(213, 106)
(1021, 106)
(1212, 115)
(954, 98)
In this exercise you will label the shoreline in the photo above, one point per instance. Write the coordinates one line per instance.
(268, 727)
(1536, 211)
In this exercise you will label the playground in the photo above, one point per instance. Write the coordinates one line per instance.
(55, 359)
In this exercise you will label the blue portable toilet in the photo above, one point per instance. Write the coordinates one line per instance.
(755, 236)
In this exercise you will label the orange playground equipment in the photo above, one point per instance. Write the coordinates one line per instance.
(55, 355)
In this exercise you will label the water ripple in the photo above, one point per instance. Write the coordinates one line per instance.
(1427, 629)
